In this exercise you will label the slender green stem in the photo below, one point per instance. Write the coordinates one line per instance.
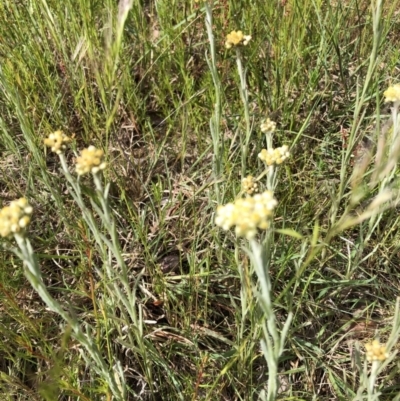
(273, 342)
(372, 379)
(215, 120)
(34, 276)
(244, 95)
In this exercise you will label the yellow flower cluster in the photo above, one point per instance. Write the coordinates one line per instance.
(392, 94)
(56, 141)
(247, 214)
(249, 185)
(236, 38)
(15, 218)
(274, 156)
(268, 126)
(90, 161)
(376, 351)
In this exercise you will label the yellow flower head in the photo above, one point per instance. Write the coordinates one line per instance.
(90, 161)
(392, 94)
(236, 38)
(268, 126)
(274, 156)
(15, 217)
(281, 154)
(376, 351)
(267, 156)
(56, 141)
(247, 214)
(249, 185)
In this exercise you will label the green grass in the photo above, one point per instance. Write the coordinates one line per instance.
(147, 99)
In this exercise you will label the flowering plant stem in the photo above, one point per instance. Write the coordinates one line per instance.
(215, 120)
(34, 276)
(368, 389)
(110, 249)
(271, 174)
(244, 95)
(372, 378)
(274, 339)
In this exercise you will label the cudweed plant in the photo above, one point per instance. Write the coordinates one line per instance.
(377, 358)
(14, 221)
(252, 213)
(248, 215)
(270, 156)
(91, 161)
(255, 211)
(380, 184)
(377, 355)
(387, 155)
(236, 40)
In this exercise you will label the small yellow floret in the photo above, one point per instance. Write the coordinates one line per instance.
(274, 156)
(267, 156)
(268, 126)
(281, 154)
(392, 94)
(15, 217)
(249, 185)
(90, 161)
(236, 38)
(56, 141)
(376, 351)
